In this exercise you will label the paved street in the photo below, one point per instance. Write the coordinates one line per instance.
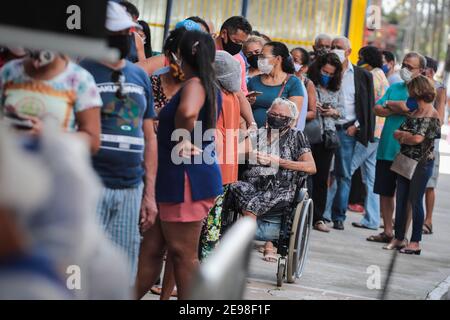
(337, 264)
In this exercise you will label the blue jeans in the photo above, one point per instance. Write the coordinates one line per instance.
(412, 192)
(268, 229)
(330, 198)
(343, 173)
(366, 158)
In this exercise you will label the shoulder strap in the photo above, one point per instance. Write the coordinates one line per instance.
(283, 86)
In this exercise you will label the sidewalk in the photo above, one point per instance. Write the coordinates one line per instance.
(337, 264)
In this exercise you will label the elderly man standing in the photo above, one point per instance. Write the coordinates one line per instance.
(358, 126)
(393, 107)
(322, 45)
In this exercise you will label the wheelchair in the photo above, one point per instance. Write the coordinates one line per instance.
(295, 228)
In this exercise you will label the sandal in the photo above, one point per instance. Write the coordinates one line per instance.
(392, 246)
(381, 238)
(270, 256)
(411, 251)
(158, 290)
(262, 249)
(270, 253)
(427, 229)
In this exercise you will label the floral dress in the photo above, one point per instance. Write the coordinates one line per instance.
(160, 98)
(261, 188)
(430, 128)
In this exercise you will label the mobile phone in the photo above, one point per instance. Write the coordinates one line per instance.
(17, 121)
(254, 93)
(326, 105)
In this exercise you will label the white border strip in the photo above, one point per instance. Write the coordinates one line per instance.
(72, 45)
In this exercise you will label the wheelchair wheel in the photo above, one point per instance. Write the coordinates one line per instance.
(299, 240)
(281, 272)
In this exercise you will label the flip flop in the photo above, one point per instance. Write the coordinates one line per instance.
(270, 257)
(158, 290)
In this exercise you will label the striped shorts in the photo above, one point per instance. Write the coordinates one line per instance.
(119, 212)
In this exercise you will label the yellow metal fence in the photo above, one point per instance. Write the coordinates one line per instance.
(294, 22)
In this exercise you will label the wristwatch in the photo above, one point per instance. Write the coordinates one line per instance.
(357, 124)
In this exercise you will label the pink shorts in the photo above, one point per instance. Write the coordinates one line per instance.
(187, 211)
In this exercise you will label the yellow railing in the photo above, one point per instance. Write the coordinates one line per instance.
(294, 22)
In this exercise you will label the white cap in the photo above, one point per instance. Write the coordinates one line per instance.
(118, 19)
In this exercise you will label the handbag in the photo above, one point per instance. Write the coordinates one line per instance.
(313, 131)
(406, 166)
(331, 140)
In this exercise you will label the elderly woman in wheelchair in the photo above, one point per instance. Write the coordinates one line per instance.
(279, 157)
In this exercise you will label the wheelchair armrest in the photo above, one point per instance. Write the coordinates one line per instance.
(302, 195)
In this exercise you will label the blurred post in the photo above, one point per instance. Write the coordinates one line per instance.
(357, 26)
(169, 6)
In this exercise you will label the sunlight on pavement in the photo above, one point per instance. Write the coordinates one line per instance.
(445, 150)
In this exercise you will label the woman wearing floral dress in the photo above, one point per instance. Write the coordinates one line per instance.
(416, 136)
(282, 154)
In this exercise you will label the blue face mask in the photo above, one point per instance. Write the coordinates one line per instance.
(412, 104)
(325, 80)
(385, 68)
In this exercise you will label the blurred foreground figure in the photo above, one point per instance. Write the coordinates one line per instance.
(24, 273)
(62, 224)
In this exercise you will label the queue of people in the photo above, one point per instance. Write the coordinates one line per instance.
(226, 121)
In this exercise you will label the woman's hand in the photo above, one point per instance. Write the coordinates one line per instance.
(36, 130)
(332, 113)
(398, 135)
(268, 160)
(251, 99)
(186, 149)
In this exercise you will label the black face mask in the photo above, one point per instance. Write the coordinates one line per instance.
(231, 47)
(253, 61)
(121, 42)
(277, 123)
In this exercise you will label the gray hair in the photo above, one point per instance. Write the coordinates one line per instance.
(228, 71)
(254, 39)
(288, 103)
(422, 59)
(345, 39)
(322, 36)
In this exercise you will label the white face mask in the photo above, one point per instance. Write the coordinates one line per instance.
(340, 53)
(264, 66)
(298, 67)
(406, 75)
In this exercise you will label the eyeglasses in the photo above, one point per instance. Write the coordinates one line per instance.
(409, 67)
(276, 115)
(118, 78)
(261, 57)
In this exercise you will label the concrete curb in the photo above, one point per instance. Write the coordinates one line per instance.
(441, 292)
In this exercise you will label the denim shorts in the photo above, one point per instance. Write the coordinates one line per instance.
(268, 229)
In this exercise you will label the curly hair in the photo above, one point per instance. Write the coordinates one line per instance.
(315, 71)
